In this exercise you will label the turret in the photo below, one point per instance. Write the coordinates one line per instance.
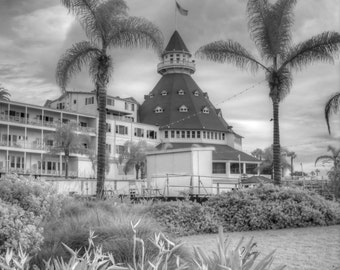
(176, 58)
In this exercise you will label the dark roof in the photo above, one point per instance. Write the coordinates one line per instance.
(171, 118)
(256, 179)
(221, 152)
(176, 43)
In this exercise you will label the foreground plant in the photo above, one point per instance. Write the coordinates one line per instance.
(227, 258)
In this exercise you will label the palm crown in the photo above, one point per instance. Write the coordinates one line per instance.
(270, 27)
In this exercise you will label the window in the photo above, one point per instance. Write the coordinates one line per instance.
(251, 168)
(235, 168)
(126, 106)
(166, 134)
(108, 127)
(89, 100)
(181, 92)
(196, 94)
(151, 134)
(193, 134)
(205, 110)
(108, 148)
(223, 136)
(215, 135)
(183, 134)
(158, 109)
(74, 101)
(49, 142)
(61, 106)
(188, 134)
(133, 107)
(164, 93)
(208, 135)
(83, 124)
(172, 134)
(139, 132)
(177, 134)
(198, 134)
(183, 108)
(120, 129)
(204, 136)
(110, 102)
(219, 168)
(151, 95)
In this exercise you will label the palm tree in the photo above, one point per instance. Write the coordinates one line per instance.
(107, 25)
(334, 157)
(270, 27)
(4, 94)
(66, 141)
(267, 163)
(135, 157)
(332, 106)
(292, 156)
(258, 153)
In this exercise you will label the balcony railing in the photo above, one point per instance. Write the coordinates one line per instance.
(38, 172)
(37, 122)
(176, 64)
(120, 118)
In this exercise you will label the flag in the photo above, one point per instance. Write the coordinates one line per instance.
(181, 10)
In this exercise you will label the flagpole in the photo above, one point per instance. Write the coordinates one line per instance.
(175, 16)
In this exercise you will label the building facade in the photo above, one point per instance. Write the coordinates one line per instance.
(176, 114)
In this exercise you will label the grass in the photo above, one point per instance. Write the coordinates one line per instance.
(311, 248)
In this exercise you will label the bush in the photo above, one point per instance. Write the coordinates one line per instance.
(19, 228)
(272, 207)
(111, 224)
(185, 217)
(32, 195)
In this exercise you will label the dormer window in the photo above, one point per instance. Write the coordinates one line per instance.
(181, 92)
(164, 93)
(158, 109)
(183, 108)
(205, 110)
(196, 94)
(151, 95)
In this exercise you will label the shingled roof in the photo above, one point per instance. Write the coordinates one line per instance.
(176, 43)
(221, 152)
(171, 117)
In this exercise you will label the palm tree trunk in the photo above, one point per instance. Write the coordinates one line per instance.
(102, 80)
(291, 166)
(276, 142)
(67, 158)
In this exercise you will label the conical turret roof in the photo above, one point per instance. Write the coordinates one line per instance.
(165, 95)
(176, 43)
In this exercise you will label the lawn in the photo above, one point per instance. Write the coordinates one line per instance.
(312, 248)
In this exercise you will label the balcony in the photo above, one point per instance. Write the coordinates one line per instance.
(40, 123)
(179, 64)
(119, 118)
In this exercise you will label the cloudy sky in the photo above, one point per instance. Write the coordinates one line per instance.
(34, 33)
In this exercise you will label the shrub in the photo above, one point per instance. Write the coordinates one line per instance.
(185, 217)
(32, 195)
(19, 227)
(111, 224)
(272, 207)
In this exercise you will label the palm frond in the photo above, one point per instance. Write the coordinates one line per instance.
(96, 69)
(332, 106)
(73, 60)
(326, 158)
(335, 151)
(322, 47)
(260, 26)
(93, 15)
(4, 94)
(280, 82)
(135, 32)
(283, 22)
(229, 51)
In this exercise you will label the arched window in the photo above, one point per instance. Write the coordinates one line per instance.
(183, 108)
(205, 110)
(164, 93)
(151, 95)
(196, 94)
(181, 92)
(158, 109)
